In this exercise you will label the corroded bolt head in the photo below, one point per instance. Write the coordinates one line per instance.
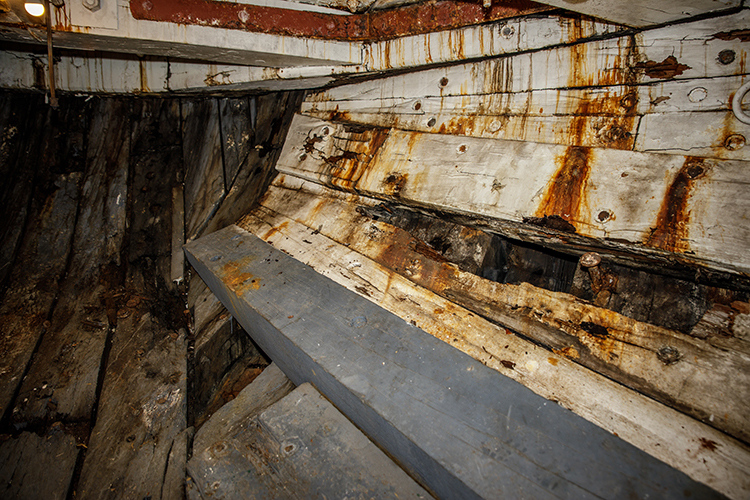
(591, 259)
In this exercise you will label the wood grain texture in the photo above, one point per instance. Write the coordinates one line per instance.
(644, 203)
(705, 382)
(322, 344)
(655, 428)
(33, 466)
(62, 379)
(205, 186)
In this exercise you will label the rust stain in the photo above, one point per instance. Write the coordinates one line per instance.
(741, 35)
(567, 190)
(347, 168)
(552, 361)
(671, 229)
(708, 444)
(668, 68)
(275, 230)
(238, 281)
(569, 352)
(394, 183)
(424, 17)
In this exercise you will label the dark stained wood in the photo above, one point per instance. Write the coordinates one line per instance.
(34, 283)
(409, 391)
(274, 116)
(237, 134)
(205, 186)
(142, 409)
(62, 379)
(33, 466)
(21, 134)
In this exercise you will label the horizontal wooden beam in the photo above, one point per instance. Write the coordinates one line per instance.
(661, 431)
(409, 391)
(695, 379)
(666, 208)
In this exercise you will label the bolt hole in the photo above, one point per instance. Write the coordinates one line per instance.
(432, 122)
(734, 142)
(417, 106)
(604, 216)
(726, 56)
(694, 171)
(443, 81)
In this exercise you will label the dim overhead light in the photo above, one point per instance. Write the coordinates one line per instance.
(35, 9)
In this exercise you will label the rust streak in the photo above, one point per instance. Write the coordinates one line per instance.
(567, 189)
(741, 35)
(671, 230)
(369, 26)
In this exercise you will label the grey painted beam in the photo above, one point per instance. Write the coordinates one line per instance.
(462, 429)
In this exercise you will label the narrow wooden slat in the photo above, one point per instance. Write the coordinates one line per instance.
(409, 391)
(643, 203)
(660, 431)
(204, 169)
(710, 384)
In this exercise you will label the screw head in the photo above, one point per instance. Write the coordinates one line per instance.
(590, 259)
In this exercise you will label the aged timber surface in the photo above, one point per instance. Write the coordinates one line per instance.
(63, 377)
(513, 442)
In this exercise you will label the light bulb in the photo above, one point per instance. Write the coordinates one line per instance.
(34, 9)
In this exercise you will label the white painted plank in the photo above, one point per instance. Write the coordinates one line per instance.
(644, 12)
(625, 195)
(656, 429)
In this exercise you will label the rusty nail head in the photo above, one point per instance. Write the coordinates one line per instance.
(726, 56)
(734, 142)
(444, 81)
(591, 259)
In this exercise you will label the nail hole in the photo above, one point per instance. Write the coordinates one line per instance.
(417, 106)
(432, 122)
(443, 81)
(461, 149)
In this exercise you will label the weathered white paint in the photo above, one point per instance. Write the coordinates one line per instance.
(654, 428)
(98, 72)
(508, 180)
(499, 38)
(644, 12)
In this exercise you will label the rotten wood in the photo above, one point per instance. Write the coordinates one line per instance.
(683, 372)
(661, 431)
(629, 209)
(430, 386)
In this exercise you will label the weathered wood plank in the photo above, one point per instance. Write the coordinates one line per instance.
(205, 186)
(62, 379)
(644, 13)
(237, 134)
(506, 37)
(650, 204)
(177, 265)
(273, 115)
(141, 413)
(587, 94)
(662, 432)
(710, 384)
(33, 466)
(20, 147)
(300, 447)
(34, 283)
(322, 344)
